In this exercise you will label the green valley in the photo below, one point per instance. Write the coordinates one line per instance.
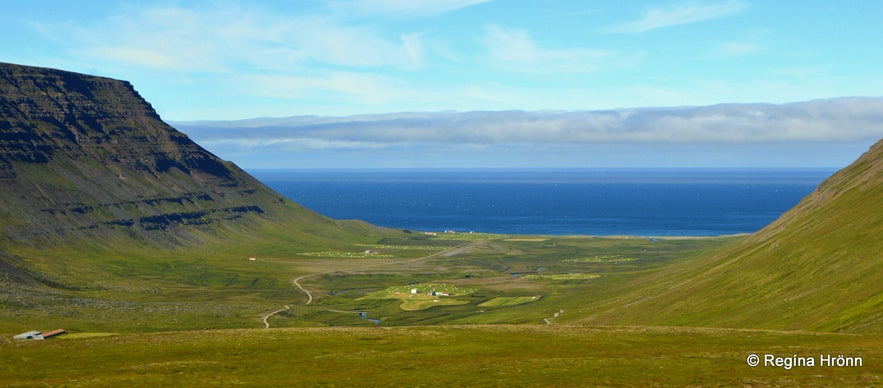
(168, 266)
(507, 327)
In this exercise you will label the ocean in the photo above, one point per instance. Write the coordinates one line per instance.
(641, 202)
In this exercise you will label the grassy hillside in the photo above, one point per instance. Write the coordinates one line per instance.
(818, 267)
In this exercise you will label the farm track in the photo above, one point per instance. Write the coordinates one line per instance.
(270, 314)
(549, 320)
(459, 249)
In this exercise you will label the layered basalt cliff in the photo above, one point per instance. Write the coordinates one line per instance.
(84, 155)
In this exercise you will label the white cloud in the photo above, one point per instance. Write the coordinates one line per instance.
(515, 50)
(218, 39)
(807, 134)
(405, 8)
(154, 38)
(678, 15)
(140, 57)
(361, 88)
(836, 120)
(413, 49)
(292, 144)
(735, 49)
(325, 40)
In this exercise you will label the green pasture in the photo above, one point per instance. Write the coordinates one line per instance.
(475, 355)
(507, 301)
(219, 288)
(563, 276)
(419, 297)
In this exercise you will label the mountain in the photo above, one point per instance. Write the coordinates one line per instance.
(84, 159)
(818, 267)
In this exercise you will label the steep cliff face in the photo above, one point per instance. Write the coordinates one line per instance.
(85, 156)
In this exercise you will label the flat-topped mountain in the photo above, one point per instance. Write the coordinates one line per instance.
(85, 157)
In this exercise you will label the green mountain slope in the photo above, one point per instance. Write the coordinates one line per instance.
(818, 267)
(88, 169)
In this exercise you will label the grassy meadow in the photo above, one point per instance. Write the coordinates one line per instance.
(219, 288)
(475, 355)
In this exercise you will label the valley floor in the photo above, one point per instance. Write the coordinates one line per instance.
(475, 355)
(470, 310)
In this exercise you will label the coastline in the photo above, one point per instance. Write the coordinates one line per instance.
(623, 202)
(544, 237)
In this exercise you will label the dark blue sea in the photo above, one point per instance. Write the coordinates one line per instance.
(658, 202)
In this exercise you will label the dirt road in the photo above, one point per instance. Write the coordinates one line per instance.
(549, 320)
(270, 314)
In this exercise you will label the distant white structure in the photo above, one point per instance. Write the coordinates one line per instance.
(414, 291)
(33, 334)
(252, 258)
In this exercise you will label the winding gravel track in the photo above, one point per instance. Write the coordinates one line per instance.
(270, 314)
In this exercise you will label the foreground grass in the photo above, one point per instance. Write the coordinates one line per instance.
(502, 355)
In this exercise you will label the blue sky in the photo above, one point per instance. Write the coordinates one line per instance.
(227, 60)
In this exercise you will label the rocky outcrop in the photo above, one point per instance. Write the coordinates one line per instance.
(86, 156)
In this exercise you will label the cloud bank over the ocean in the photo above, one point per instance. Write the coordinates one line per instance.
(725, 128)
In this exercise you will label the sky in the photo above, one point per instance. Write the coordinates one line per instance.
(233, 60)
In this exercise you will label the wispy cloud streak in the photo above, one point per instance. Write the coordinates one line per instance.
(405, 8)
(219, 40)
(656, 18)
(513, 49)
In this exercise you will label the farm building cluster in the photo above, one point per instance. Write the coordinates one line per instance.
(431, 293)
